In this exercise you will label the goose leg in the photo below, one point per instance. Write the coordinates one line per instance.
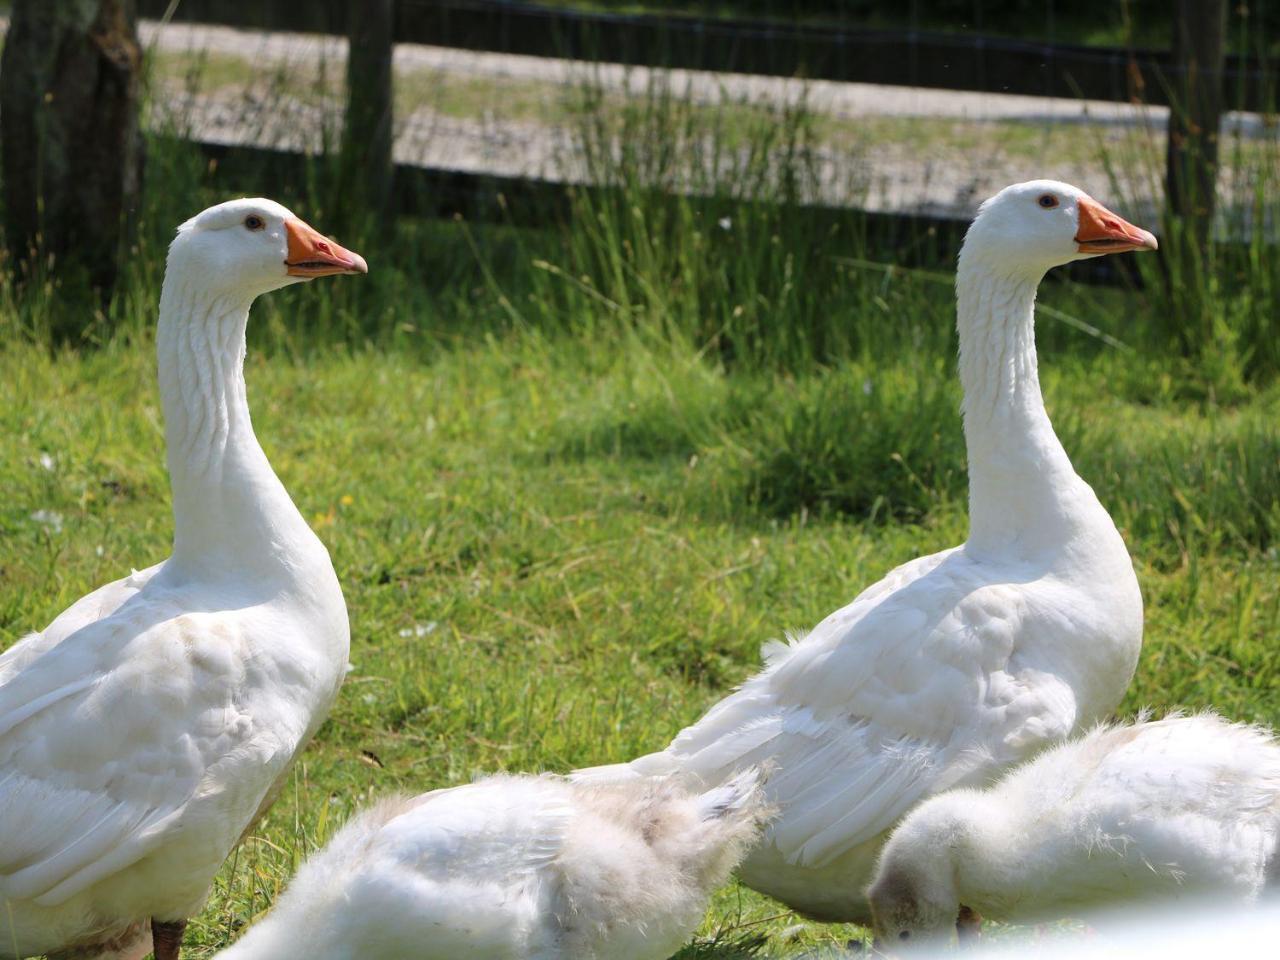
(968, 927)
(166, 938)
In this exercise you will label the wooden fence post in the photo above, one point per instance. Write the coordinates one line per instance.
(69, 138)
(370, 114)
(1195, 114)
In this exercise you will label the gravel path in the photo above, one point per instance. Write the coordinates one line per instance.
(885, 175)
(837, 99)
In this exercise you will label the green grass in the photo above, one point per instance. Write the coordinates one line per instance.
(558, 551)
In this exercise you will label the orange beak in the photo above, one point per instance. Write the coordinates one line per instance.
(1101, 231)
(311, 255)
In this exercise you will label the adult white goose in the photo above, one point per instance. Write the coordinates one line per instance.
(143, 731)
(1185, 809)
(958, 664)
(514, 868)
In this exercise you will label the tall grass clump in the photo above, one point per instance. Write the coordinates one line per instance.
(872, 443)
(705, 226)
(1201, 484)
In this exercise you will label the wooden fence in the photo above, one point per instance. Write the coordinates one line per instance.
(830, 52)
(772, 48)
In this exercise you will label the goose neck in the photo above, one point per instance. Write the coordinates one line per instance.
(972, 842)
(1023, 491)
(230, 510)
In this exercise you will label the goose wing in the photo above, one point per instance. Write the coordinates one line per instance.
(90, 608)
(913, 688)
(134, 729)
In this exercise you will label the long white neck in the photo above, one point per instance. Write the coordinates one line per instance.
(1024, 497)
(232, 516)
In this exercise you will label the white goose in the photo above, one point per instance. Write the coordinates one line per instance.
(955, 665)
(146, 728)
(1181, 810)
(514, 868)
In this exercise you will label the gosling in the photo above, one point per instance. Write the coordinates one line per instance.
(1169, 810)
(528, 867)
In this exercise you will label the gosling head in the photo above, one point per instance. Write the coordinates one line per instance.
(252, 246)
(1031, 227)
(912, 909)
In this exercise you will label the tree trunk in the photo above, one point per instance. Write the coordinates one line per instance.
(1192, 160)
(69, 138)
(367, 138)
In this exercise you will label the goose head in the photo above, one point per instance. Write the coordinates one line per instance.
(252, 246)
(1034, 226)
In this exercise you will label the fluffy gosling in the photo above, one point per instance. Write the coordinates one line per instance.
(515, 868)
(1173, 809)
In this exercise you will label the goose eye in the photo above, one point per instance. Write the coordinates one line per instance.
(254, 222)
(1048, 201)
(905, 935)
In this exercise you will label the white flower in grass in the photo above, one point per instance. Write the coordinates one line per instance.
(48, 518)
(420, 629)
(48, 462)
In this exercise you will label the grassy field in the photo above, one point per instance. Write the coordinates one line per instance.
(572, 479)
(557, 550)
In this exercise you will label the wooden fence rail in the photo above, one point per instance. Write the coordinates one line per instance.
(772, 48)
